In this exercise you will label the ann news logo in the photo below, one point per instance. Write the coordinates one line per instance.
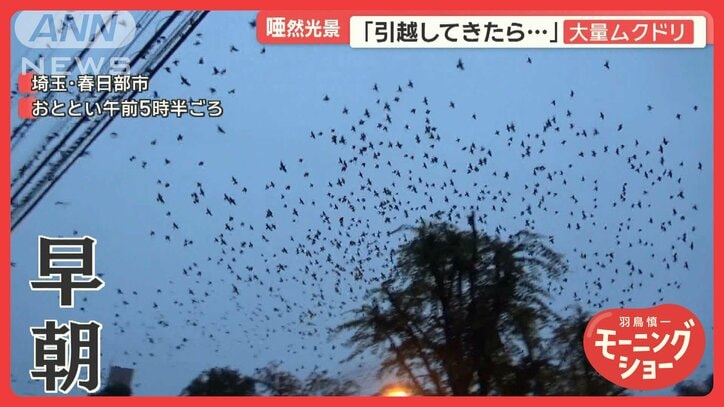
(74, 29)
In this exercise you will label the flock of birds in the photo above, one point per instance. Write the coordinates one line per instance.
(293, 269)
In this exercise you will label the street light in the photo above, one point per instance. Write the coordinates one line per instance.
(396, 391)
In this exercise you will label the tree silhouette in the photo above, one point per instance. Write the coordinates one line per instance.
(318, 384)
(269, 380)
(690, 388)
(277, 382)
(567, 345)
(464, 313)
(220, 382)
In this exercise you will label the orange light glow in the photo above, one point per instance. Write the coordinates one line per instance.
(396, 392)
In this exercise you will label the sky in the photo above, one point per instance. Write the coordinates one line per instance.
(168, 309)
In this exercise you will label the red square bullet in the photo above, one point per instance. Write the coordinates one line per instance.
(25, 83)
(25, 108)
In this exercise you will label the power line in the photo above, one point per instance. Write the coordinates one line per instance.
(85, 119)
(22, 129)
(22, 210)
(61, 125)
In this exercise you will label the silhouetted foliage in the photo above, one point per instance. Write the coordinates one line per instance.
(220, 382)
(277, 382)
(465, 313)
(318, 384)
(690, 388)
(270, 380)
(567, 347)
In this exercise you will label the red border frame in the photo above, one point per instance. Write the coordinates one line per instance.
(522, 7)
